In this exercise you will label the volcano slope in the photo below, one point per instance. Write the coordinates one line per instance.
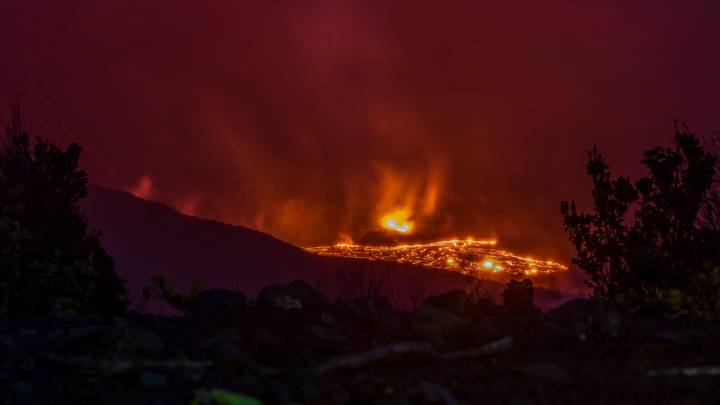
(147, 239)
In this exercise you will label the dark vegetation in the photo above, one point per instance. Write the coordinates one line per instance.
(49, 260)
(66, 335)
(180, 300)
(653, 243)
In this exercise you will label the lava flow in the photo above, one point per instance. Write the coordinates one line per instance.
(467, 256)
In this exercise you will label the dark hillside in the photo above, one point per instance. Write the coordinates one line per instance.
(148, 238)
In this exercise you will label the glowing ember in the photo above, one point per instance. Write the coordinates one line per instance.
(398, 221)
(466, 256)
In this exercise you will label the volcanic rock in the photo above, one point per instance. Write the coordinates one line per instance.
(430, 320)
(82, 339)
(62, 313)
(218, 303)
(611, 323)
(369, 310)
(231, 357)
(327, 319)
(575, 311)
(286, 303)
(149, 379)
(323, 332)
(583, 316)
(291, 356)
(457, 302)
(21, 392)
(510, 324)
(430, 393)
(13, 355)
(545, 370)
(298, 290)
(138, 341)
(277, 391)
(485, 331)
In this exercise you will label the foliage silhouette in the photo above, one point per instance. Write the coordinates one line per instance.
(649, 240)
(48, 257)
(182, 301)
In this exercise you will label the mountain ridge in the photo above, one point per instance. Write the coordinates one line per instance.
(148, 238)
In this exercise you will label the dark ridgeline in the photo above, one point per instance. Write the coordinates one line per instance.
(149, 239)
(48, 257)
(653, 243)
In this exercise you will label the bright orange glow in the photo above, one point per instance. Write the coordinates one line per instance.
(345, 239)
(405, 200)
(398, 221)
(466, 256)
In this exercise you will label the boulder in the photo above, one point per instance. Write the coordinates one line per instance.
(230, 357)
(149, 379)
(323, 332)
(218, 304)
(379, 315)
(20, 392)
(459, 303)
(546, 371)
(327, 319)
(13, 356)
(137, 342)
(431, 393)
(510, 324)
(583, 316)
(430, 320)
(287, 302)
(575, 311)
(295, 295)
(485, 332)
(80, 339)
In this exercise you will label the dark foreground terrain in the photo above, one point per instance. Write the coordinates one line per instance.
(291, 345)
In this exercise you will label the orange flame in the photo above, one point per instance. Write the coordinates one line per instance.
(407, 200)
(398, 221)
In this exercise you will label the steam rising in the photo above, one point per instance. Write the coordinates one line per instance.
(312, 120)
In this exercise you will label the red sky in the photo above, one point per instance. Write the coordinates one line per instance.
(306, 119)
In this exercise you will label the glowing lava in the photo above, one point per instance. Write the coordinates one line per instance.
(466, 256)
(398, 221)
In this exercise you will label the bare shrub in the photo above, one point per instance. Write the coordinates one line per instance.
(477, 287)
(359, 281)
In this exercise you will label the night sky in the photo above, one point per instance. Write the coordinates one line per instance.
(309, 119)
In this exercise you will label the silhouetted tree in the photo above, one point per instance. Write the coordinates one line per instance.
(48, 258)
(646, 239)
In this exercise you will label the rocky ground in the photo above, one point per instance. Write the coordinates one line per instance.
(292, 345)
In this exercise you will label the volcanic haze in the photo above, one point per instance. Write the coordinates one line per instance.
(311, 120)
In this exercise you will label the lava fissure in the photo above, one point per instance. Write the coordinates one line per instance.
(468, 256)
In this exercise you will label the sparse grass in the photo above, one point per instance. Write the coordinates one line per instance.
(360, 281)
